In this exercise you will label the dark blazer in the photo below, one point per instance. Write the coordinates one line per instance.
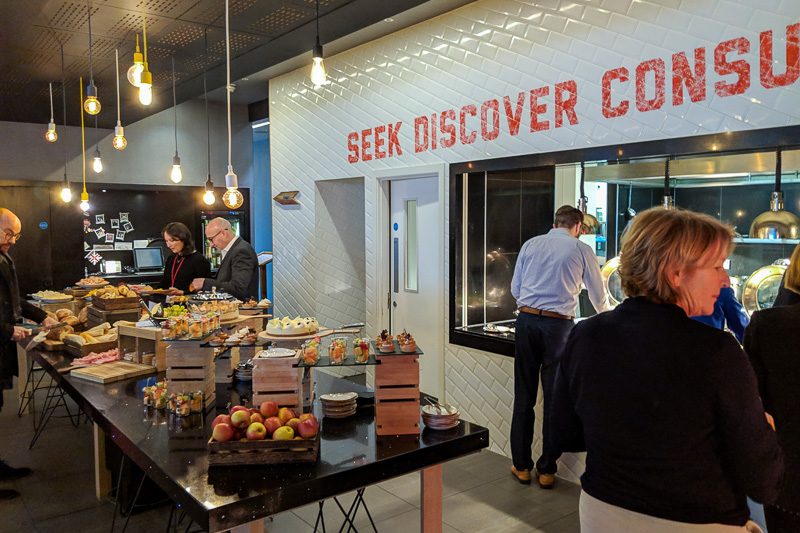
(189, 267)
(238, 273)
(669, 410)
(772, 341)
(9, 295)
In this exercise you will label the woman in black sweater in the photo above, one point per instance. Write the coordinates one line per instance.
(185, 263)
(666, 408)
(771, 341)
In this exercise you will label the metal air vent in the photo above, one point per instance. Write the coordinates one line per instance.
(72, 15)
(279, 20)
(182, 36)
(129, 24)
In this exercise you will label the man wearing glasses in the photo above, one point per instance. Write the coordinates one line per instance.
(238, 272)
(12, 310)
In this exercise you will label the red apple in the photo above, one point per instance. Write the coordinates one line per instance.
(308, 428)
(221, 419)
(283, 433)
(256, 431)
(256, 417)
(222, 432)
(269, 409)
(285, 414)
(240, 419)
(272, 423)
(308, 415)
(293, 423)
(239, 434)
(238, 408)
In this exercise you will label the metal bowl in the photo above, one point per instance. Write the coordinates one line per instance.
(762, 286)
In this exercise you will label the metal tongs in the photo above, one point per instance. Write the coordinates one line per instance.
(444, 409)
(350, 328)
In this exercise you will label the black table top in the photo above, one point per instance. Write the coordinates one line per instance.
(172, 451)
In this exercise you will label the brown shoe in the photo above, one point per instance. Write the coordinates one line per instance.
(545, 480)
(524, 476)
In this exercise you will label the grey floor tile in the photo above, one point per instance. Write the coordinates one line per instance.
(408, 522)
(287, 523)
(567, 524)
(486, 465)
(563, 498)
(75, 492)
(405, 487)
(382, 505)
(14, 515)
(490, 508)
(455, 479)
(334, 518)
(94, 520)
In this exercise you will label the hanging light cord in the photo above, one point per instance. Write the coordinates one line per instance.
(666, 177)
(317, 20)
(116, 57)
(96, 135)
(64, 98)
(144, 30)
(582, 195)
(83, 138)
(778, 164)
(91, 74)
(51, 102)
(205, 97)
(228, 56)
(175, 105)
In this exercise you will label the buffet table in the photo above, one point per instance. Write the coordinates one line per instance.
(351, 455)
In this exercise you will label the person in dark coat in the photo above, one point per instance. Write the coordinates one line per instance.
(666, 408)
(772, 341)
(785, 295)
(238, 272)
(12, 310)
(185, 264)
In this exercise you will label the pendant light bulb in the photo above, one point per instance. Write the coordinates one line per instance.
(176, 175)
(119, 141)
(208, 196)
(146, 87)
(135, 70)
(318, 75)
(66, 192)
(97, 164)
(232, 198)
(91, 105)
(84, 205)
(51, 134)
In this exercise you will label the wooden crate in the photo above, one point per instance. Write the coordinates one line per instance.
(81, 350)
(96, 316)
(397, 394)
(263, 452)
(110, 304)
(190, 368)
(74, 306)
(141, 341)
(278, 380)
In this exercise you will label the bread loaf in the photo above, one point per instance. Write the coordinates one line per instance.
(63, 313)
(77, 339)
(71, 321)
(58, 334)
(83, 315)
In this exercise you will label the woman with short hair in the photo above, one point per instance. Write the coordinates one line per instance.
(771, 341)
(185, 263)
(666, 408)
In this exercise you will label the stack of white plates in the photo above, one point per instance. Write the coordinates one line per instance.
(440, 417)
(339, 404)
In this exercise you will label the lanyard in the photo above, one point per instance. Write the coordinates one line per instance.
(176, 270)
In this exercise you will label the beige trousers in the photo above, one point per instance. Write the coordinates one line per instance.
(600, 517)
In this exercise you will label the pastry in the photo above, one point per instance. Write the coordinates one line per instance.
(410, 345)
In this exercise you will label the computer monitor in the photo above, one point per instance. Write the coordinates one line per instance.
(148, 259)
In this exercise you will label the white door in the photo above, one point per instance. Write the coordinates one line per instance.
(416, 255)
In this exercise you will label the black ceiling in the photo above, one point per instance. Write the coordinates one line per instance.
(263, 33)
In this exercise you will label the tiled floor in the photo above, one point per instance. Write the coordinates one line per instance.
(479, 493)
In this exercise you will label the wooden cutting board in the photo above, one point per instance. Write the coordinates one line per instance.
(114, 371)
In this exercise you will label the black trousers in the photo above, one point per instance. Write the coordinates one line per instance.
(539, 340)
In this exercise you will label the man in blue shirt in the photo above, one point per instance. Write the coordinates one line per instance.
(547, 281)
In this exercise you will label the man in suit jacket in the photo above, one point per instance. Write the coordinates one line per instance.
(238, 272)
(12, 309)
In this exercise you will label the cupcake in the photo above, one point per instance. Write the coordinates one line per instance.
(410, 345)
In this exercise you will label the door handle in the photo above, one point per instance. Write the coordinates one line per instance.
(396, 265)
(394, 304)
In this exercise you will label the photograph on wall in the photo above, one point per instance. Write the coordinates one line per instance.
(114, 223)
(99, 219)
(123, 217)
(100, 232)
(123, 246)
(102, 247)
(120, 235)
(87, 226)
(127, 226)
(109, 237)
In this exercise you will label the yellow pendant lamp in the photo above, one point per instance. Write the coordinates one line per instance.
(232, 197)
(84, 205)
(66, 191)
(135, 71)
(146, 78)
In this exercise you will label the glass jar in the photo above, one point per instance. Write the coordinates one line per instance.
(310, 352)
(361, 350)
(337, 350)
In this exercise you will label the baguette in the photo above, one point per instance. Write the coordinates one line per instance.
(90, 339)
(77, 339)
(83, 315)
(99, 330)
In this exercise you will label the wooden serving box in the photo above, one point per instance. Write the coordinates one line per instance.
(190, 368)
(397, 394)
(143, 340)
(96, 316)
(263, 452)
(110, 304)
(82, 350)
(279, 380)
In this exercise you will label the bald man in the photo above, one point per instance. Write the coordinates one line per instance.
(238, 272)
(12, 310)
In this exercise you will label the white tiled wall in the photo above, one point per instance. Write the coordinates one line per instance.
(487, 50)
